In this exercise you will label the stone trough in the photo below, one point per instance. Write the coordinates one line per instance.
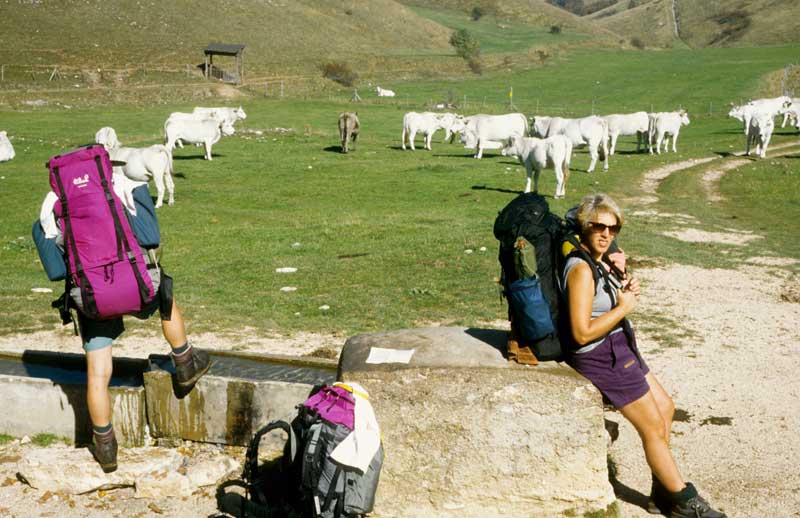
(46, 393)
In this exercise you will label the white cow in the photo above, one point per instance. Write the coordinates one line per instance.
(789, 112)
(627, 124)
(761, 127)
(666, 124)
(426, 123)
(536, 154)
(206, 132)
(227, 115)
(492, 131)
(591, 131)
(746, 111)
(383, 92)
(452, 124)
(6, 149)
(140, 164)
(792, 111)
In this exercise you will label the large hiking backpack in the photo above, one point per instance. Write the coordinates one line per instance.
(531, 279)
(103, 258)
(307, 481)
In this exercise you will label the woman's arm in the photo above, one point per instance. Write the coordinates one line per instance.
(586, 329)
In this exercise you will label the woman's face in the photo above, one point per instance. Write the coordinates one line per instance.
(600, 232)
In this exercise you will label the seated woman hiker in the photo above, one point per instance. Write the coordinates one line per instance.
(98, 335)
(605, 352)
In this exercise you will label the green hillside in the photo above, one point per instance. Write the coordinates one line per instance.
(281, 36)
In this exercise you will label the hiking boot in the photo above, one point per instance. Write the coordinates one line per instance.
(694, 507)
(104, 451)
(189, 366)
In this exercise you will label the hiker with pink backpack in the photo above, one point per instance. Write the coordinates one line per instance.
(99, 233)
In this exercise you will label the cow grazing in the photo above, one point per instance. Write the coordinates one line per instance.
(140, 164)
(206, 132)
(6, 149)
(792, 111)
(627, 124)
(665, 124)
(536, 154)
(492, 131)
(382, 92)
(789, 112)
(591, 131)
(426, 123)
(761, 127)
(226, 115)
(746, 111)
(349, 127)
(452, 124)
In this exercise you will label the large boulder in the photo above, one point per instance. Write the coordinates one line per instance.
(468, 434)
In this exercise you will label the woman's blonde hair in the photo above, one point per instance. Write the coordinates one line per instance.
(593, 204)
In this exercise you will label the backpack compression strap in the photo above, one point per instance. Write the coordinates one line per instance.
(87, 293)
(122, 239)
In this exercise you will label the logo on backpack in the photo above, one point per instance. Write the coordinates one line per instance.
(81, 182)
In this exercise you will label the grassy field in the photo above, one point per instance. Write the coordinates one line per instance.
(384, 234)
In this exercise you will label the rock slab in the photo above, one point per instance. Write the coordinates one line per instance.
(468, 434)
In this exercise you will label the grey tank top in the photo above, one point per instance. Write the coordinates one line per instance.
(602, 303)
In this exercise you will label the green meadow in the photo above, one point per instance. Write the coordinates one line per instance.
(382, 236)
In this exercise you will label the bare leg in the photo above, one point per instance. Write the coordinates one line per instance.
(645, 416)
(99, 366)
(666, 407)
(174, 329)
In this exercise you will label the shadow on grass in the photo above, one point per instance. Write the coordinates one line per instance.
(196, 157)
(334, 149)
(496, 189)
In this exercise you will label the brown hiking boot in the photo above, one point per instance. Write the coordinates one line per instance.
(104, 451)
(189, 367)
(522, 355)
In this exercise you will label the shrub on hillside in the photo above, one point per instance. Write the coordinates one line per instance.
(339, 72)
(466, 45)
(637, 42)
(555, 29)
(477, 13)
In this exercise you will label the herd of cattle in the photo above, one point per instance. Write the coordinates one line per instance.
(545, 141)
(538, 143)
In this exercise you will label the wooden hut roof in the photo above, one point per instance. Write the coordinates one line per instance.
(224, 49)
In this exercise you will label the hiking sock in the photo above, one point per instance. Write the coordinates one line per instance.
(102, 430)
(683, 495)
(180, 352)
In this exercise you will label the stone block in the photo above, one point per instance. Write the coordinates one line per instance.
(34, 406)
(74, 470)
(219, 410)
(468, 434)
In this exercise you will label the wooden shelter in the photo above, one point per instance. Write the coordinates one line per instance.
(222, 49)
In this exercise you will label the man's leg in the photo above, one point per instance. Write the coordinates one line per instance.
(190, 363)
(97, 339)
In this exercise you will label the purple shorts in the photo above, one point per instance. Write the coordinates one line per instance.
(622, 383)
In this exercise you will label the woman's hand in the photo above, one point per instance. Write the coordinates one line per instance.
(628, 294)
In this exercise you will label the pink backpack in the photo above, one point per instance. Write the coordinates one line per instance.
(103, 258)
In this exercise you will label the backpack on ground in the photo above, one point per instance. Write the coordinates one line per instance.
(534, 245)
(102, 256)
(306, 481)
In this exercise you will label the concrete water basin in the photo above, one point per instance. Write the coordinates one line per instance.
(45, 392)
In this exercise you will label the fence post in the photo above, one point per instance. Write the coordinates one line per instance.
(281, 89)
(2, 72)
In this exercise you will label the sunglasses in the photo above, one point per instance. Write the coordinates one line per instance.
(599, 228)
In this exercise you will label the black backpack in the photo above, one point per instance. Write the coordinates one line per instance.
(304, 482)
(536, 304)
